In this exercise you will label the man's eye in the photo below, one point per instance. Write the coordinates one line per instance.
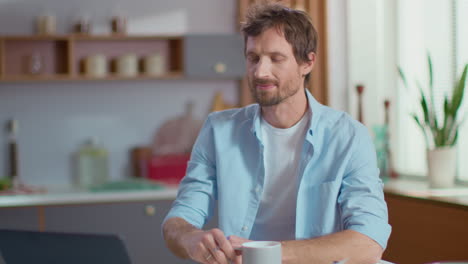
(277, 58)
(252, 58)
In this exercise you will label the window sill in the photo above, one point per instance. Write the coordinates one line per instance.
(408, 186)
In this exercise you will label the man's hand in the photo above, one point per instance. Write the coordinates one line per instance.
(236, 243)
(208, 246)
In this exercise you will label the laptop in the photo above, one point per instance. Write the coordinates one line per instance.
(26, 247)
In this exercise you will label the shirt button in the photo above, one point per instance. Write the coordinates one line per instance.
(244, 228)
(258, 189)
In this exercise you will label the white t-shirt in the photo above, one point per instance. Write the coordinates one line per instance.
(276, 216)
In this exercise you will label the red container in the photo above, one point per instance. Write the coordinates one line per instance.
(168, 169)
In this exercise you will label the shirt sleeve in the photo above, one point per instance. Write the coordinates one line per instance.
(197, 191)
(361, 199)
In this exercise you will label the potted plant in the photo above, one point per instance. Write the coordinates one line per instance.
(441, 135)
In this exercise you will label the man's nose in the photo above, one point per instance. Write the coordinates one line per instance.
(263, 69)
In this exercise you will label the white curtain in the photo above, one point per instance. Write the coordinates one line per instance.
(461, 59)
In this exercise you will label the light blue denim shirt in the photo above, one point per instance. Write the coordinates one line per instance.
(339, 187)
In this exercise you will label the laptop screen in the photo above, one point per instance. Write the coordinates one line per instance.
(18, 247)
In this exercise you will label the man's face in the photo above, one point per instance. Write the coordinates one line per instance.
(272, 70)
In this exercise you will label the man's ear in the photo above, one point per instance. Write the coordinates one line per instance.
(308, 65)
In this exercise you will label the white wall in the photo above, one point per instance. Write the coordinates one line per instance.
(371, 49)
(55, 117)
(338, 54)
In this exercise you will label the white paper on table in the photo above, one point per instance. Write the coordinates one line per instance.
(384, 262)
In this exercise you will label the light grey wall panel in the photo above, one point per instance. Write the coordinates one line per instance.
(214, 56)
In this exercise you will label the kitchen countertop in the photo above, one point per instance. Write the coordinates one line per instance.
(67, 195)
(419, 189)
(413, 188)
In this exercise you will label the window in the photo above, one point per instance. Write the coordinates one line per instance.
(429, 26)
(383, 34)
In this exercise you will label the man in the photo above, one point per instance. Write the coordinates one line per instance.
(287, 169)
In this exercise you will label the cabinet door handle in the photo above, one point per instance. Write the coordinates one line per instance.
(150, 210)
(220, 67)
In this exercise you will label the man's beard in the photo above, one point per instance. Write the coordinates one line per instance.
(271, 98)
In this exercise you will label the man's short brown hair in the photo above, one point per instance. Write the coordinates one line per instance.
(296, 26)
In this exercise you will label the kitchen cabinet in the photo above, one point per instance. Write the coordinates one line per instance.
(135, 216)
(137, 223)
(21, 218)
(426, 230)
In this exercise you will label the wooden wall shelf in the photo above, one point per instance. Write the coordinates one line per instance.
(60, 57)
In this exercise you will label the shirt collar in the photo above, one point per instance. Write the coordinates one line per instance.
(314, 107)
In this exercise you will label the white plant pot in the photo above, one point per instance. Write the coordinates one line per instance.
(442, 167)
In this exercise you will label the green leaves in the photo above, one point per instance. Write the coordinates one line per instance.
(446, 135)
(424, 104)
(429, 113)
(402, 76)
(415, 117)
(458, 92)
(431, 77)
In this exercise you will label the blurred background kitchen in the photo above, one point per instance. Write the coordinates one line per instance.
(56, 117)
(131, 75)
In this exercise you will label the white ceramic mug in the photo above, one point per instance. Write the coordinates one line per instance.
(154, 64)
(261, 252)
(96, 66)
(127, 65)
(46, 25)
